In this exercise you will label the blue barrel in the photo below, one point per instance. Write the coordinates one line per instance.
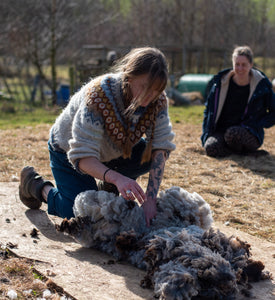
(63, 95)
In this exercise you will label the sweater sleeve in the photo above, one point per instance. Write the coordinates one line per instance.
(87, 135)
(163, 135)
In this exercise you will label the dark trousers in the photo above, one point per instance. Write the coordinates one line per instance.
(235, 139)
(69, 182)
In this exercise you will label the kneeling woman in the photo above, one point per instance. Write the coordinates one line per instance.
(99, 135)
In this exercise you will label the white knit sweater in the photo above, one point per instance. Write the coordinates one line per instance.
(81, 132)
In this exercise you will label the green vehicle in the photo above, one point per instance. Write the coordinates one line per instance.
(195, 83)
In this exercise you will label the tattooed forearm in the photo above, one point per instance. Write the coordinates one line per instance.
(156, 174)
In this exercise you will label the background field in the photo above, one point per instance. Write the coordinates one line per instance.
(239, 189)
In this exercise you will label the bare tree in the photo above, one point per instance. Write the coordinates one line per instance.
(47, 32)
(37, 31)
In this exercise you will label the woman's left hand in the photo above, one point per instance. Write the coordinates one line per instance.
(155, 176)
(150, 210)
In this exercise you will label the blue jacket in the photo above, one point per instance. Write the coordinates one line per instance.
(259, 112)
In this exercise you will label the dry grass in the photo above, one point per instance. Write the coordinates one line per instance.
(240, 190)
(18, 275)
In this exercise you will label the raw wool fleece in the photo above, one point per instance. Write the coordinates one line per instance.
(183, 256)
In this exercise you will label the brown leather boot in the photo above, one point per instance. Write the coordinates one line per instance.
(30, 188)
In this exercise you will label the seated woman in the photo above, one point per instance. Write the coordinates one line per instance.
(240, 105)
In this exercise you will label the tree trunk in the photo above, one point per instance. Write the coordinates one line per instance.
(53, 52)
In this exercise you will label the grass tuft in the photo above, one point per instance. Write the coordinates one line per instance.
(23, 116)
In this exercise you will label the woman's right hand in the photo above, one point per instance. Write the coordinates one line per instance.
(128, 188)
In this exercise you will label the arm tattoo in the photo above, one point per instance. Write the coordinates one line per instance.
(156, 174)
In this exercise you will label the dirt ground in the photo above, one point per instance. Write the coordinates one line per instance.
(239, 189)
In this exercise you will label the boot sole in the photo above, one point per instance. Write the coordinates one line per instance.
(29, 202)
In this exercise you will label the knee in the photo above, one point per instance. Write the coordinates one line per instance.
(210, 150)
(232, 135)
(234, 138)
(216, 147)
(211, 147)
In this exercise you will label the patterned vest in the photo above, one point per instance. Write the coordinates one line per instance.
(121, 131)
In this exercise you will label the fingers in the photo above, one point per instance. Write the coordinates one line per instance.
(140, 195)
(130, 189)
(150, 211)
(149, 220)
(134, 191)
(128, 194)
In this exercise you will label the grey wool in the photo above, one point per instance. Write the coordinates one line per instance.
(184, 257)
